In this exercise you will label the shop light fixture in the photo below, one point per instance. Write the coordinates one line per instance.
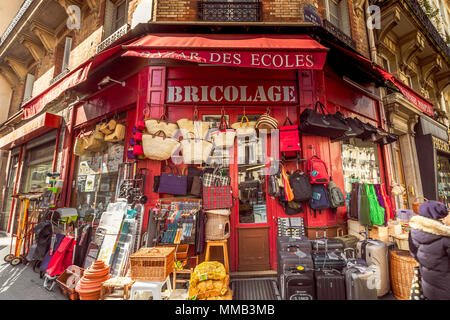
(106, 80)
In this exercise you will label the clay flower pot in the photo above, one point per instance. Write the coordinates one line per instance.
(90, 285)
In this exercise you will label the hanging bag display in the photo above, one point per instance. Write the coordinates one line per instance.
(217, 197)
(118, 134)
(337, 198)
(162, 124)
(354, 127)
(321, 122)
(173, 183)
(317, 170)
(266, 122)
(195, 128)
(223, 137)
(98, 135)
(300, 186)
(289, 194)
(369, 131)
(209, 178)
(245, 129)
(289, 137)
(93, 145)
(320, 198)
(108, 127)
(79, 145)
(195, 151)
(158, 146)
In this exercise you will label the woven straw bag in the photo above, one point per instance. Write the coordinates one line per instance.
(195, 151)
(217, 226)
(158, 146)
(117, 135)
(93, 145)
(266, 122)
(223, 137)
(155, 125)
(108, 127)
(79, 146)
(245, 130)
(98, 134)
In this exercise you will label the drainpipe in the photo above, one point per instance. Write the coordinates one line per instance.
(370, 35)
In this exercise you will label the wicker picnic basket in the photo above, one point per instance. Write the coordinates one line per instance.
(152, 264)
(402, 274)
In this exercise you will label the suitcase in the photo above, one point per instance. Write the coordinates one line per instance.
(298, 285)
(360, 282)
(330, 285)
(292, 261)
(329, 244)
(328, 260)
(293, 243)
(348, 241)
(376, 252)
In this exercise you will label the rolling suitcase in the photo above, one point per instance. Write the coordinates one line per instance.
(293, 261)
(376, 252)
(298, 285)
(348, 241)
(330, 285)
(293, 243)
(360, 283)
(328, 260)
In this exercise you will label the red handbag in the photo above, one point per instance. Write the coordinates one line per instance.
(217, 197)
(289, 138)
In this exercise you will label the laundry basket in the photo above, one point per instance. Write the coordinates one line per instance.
(217, 226)
(402, 274)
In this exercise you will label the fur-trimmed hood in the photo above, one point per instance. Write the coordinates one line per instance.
(428, 225)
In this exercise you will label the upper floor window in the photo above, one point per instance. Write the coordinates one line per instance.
(385, 63)
(337, 14)
(116, 16)
(231, 10)
(29, 84)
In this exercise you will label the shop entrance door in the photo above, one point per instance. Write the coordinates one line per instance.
(251, 217)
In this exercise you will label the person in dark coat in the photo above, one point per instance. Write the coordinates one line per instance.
(429, 244)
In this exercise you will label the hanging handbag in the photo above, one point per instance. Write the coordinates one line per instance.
(194, 181)
(155, 125)
(79, 146)
(217, 197)
(369, 131)
(98, 134)
(223, 137)
(199, 129)
(172, 183)
(158, 146)
(322, 124)
(245, 130)
(266, 122)
(354, 127)
(93, 145)
(209, 178)
(287, 187)
(195, 151)
(118, 134)
(289, 137)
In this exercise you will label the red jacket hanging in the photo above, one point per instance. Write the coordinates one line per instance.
(62, 258)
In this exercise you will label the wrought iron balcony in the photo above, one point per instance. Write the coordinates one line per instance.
(242, 11)
(338, 33)
(112, 38)
(421, 15)
(59, 76)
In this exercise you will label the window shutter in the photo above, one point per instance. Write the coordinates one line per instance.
(345, 19)
(28, 87)
(109, 19)
(67, 50)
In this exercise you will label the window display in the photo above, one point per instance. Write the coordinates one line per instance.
(443, 178)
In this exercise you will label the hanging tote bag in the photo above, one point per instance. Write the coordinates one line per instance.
(161, 124)
(79, 145)
(289, 137)
(266, 122)
(321, 123)
(93, 145)
(158, 146)
(199, 129)
(217, 197)
(118, 134)
(223, 137)
(209, 178)
(195, 151)
(245, 129)
(289, 194)
(98, 135)
(173, 183)
(354, 127)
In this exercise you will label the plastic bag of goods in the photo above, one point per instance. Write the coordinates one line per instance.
(208, 270)
(209, 288)
(227, 296)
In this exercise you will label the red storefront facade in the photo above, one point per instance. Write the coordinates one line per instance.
(177, 83)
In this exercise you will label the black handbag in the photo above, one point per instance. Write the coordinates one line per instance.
(388, 139)
(369, 132)
(322, 124)
(194, 181)
(355, 128)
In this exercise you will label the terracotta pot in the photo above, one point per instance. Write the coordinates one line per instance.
(90, 285)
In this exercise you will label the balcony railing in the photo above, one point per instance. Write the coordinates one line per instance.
(59, 76)
(242, 11)
(16, 19)
(338, 33)
(421, 15)
(112, 38)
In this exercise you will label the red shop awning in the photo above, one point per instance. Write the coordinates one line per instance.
(416, 99)
(255, 51)
(34, 128)
(35, 105)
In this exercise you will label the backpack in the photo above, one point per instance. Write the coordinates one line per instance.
(289, 137)
(337, 198)
(320, 198)
(317, 170)
(300, 186)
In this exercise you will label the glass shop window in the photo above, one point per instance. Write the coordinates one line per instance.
(96, 178)
(360, 162)
(443, 178)
(251, 177)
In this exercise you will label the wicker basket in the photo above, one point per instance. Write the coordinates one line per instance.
(217, 226)
(402, 274)
(152, 264)
(416, 204)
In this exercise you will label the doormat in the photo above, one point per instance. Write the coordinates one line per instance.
(255, 289)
